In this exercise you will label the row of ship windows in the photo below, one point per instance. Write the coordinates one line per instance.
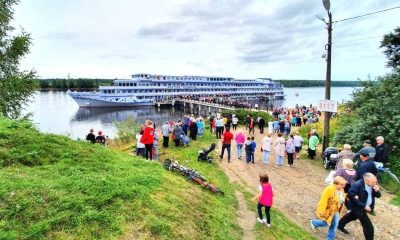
(172, 90)
(179, 78)
(175, 85)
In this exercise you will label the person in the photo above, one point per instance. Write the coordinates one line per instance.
(248, 147)
(165, 131)
(148, 139)
(313, 141)
(193, 130)
(220, 127)
(100, 138)
(253, 149)
(251, 125)
(247, 121)
(329, 207)
(275, 125)
(106, 141)
(367, 147)
(279, 146)
(347, 172)
(226, 144)
(212, 120)
(265, 199)
(261, 124)
(286, 127)
(235, 121)
(91, 137)
(240, 138)
(266, 148)
(362, 194)
(298, 143)
(155, 145)
(140, 148)
(382, 151)
(345, 154)
(177, 134)
(290, 150)
(365, 164)
(200, 127)
(256, 106)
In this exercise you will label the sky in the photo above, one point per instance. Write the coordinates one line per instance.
(228, 38)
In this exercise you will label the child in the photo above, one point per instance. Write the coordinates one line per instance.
(248, 147)
(265, 199)
(254, 146)
(140, 148)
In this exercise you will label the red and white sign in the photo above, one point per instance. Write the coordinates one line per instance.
(327, 106)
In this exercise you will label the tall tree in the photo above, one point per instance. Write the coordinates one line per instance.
(16, 86)
(391, 43)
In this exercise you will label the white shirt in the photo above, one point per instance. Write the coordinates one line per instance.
(266, 144)
(235, 120)
(297, 140)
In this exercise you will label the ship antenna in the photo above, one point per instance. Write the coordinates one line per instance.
(69, 75)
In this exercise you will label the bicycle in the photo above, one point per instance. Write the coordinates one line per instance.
(387, 181)
(191, 174)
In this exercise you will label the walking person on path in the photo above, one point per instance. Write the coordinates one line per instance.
(362, 196)
(248, 147)
(177, 134)
(298, 143)
(251, 125)
(226, 144)
(329, 207)
(165, 131)
(266, 148)
(240, 138)
(220, 127)
(193, 130)
(265, 199)
(235, 121)
(247, 121)
(313, 141)
(148, 139)
(200, 127)
(290, 150)
(365, 164)
(279, 146)
(345, 154)
(261, 124)
(253, 149)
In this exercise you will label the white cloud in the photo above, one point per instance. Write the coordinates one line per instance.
(237, 38)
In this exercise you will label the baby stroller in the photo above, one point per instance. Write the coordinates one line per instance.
(185, 140)
(330, 157)
(203, 154)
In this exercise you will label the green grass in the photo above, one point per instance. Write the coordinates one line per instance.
(282, 228)
(56, 188)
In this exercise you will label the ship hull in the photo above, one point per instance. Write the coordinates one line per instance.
(93, 101)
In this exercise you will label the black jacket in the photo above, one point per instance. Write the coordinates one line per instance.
(358, 189)
(382, 153)
(261, 123)
(91, 137)
(364, 167)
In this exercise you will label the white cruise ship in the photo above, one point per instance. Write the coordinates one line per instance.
(147, 89)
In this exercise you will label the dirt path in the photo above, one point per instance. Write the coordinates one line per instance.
(297, 191)
(245, 217)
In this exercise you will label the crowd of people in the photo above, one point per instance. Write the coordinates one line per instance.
(354, 189)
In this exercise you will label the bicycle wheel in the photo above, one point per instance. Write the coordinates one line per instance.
(388, 182)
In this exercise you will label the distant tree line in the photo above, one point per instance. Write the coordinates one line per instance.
(318, 83)
(78, 83)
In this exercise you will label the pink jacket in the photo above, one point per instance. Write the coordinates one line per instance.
(240, 138)
(267, 195)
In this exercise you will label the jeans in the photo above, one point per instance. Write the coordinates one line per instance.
(248, 156)
(290, 158)
(165, 141)
(266, 156)
(332, 228)
(239, 150)
(228, 149)
(149, 152)
(279, 160)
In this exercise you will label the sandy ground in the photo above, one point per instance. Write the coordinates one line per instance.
(297, 191)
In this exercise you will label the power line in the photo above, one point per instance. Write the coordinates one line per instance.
(359, 39)
(345, 19)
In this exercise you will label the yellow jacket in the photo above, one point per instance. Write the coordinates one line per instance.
(329, 204)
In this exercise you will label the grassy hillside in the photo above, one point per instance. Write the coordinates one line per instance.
(56, 188)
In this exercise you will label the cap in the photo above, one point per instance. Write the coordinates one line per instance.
(364, 152)
(367, 142)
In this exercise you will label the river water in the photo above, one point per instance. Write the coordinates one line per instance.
(56, 112)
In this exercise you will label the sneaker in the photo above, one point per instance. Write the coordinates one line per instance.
(313, 228)
(260, 220)
(343, 230)
(268, 225)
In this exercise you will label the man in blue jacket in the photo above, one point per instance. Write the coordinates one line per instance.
(362, 195)
(365, 164)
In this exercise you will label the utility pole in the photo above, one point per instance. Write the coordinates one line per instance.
(327, 115)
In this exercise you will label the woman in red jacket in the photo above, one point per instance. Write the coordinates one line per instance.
(148, 138)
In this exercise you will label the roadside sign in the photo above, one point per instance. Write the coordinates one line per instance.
(327, 106)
